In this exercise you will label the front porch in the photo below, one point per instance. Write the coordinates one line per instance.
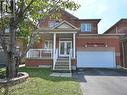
(57, 51)
(56, 47)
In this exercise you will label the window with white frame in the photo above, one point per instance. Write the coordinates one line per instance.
(86, 27)
(48, 44)
(53, 23)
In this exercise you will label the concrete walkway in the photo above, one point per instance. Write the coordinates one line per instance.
(102, 81)
(61, 74)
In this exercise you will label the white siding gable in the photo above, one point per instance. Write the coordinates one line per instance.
(64, 25)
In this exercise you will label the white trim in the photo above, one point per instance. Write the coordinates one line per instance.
(86, 27)
(103, 34)
(49, 43)
(66, 38)
(54, 46)
(74, 45)
(57, 32)
(65, 23)
(65, 30)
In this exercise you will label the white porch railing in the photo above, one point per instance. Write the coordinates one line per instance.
(39, 53)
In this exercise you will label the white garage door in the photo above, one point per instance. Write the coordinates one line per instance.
(96, 59)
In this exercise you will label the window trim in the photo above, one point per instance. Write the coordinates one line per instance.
(49, 44)
(52, 23)
(86, 27)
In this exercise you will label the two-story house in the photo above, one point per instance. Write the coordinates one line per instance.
(69, 43)
(120, 27)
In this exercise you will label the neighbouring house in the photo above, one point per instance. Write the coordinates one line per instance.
(69, 43)
(21, 41)
(120, 28)
(19, 47)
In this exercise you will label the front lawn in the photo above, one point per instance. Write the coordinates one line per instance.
(40, 83)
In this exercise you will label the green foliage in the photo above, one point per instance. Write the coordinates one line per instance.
(4, 23)
(24, 29)
(36, 10)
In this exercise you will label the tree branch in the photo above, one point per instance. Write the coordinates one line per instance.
(28, 6)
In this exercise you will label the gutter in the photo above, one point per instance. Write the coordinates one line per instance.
(122, 34)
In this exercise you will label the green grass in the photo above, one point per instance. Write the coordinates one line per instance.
(40, 83)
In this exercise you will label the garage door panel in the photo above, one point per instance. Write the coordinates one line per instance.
(98, 59)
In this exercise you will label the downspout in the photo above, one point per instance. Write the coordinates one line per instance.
(123, 53)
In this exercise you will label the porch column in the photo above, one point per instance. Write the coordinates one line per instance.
(54, 45)
(73, 45)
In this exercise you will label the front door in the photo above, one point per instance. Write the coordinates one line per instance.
(64, 48)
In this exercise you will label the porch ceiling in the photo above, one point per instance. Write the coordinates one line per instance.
(65, 35)
(49, 36)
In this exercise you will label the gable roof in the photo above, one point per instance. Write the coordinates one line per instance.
(92, 20)
(113, 26)
(67, 13)
(62, 10)
(66, 23)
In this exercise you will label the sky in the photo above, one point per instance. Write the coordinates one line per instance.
(109, 11)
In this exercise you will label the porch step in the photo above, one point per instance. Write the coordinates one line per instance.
(62, 63)
(62, 60)
(63, 67)
(61, 71)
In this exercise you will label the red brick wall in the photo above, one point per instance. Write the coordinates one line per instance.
(123, 27)
(74, 21)
(110, 41)
(37, 62)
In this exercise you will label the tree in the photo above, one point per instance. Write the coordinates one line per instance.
(25, 14)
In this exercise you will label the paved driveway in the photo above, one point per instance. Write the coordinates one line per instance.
(102, 81)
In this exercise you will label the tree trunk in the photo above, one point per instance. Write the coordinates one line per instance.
(11, 63)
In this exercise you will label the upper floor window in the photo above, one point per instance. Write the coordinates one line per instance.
(53, 23)
(86, 27)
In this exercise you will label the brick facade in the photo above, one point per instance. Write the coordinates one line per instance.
(83, 40)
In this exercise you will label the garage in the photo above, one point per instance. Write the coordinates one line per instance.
(96, 59)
